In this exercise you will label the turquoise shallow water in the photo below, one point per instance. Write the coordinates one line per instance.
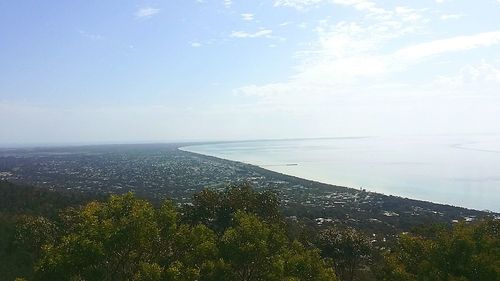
(457, 170)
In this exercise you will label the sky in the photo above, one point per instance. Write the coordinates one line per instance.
(93, 71)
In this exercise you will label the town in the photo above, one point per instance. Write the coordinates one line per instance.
(161, 171)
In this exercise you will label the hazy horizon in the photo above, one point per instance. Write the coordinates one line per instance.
(97, 72)
(202, 141)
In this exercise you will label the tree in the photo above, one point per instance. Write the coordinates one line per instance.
(104, 241)
(126, 238)
(195, 253)
(346, 248)
(256, 250)
(252, 248)
(33, 232)
(464, 252)
(216, 209)
(306, 264)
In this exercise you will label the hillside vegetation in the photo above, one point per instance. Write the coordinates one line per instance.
(233, 234)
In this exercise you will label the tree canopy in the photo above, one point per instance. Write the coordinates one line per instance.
(127, 238)
(466, 252)
(346, 249)
(235, 233)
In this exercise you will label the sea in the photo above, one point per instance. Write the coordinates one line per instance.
(459, 170)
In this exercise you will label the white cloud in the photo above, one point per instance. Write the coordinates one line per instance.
(196, 44)
(297, 4)
(454, 44)
(146, 12)
(244, 34)
(228, 3)
(302, 25)
(247, 17)
(361, 5)
(349, 59)
(408, 15)
(482, 76)
(452, 16)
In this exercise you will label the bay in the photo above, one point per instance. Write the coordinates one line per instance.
(460, 170)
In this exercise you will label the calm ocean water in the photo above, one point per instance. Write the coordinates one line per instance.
(457, 170)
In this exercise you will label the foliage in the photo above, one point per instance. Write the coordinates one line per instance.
(105, 241)
(255, 250)
(346, 248)
(215, 209)
(20, 199)
(126, 238)
(466, 252)
(27, 216)
(231, 234)
(35, 231)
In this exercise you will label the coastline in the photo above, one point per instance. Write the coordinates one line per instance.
(184, 148)
(160, 171)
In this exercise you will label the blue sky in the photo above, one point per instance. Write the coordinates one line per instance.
(129, 71)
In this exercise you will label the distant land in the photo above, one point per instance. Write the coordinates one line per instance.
(159, 171)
